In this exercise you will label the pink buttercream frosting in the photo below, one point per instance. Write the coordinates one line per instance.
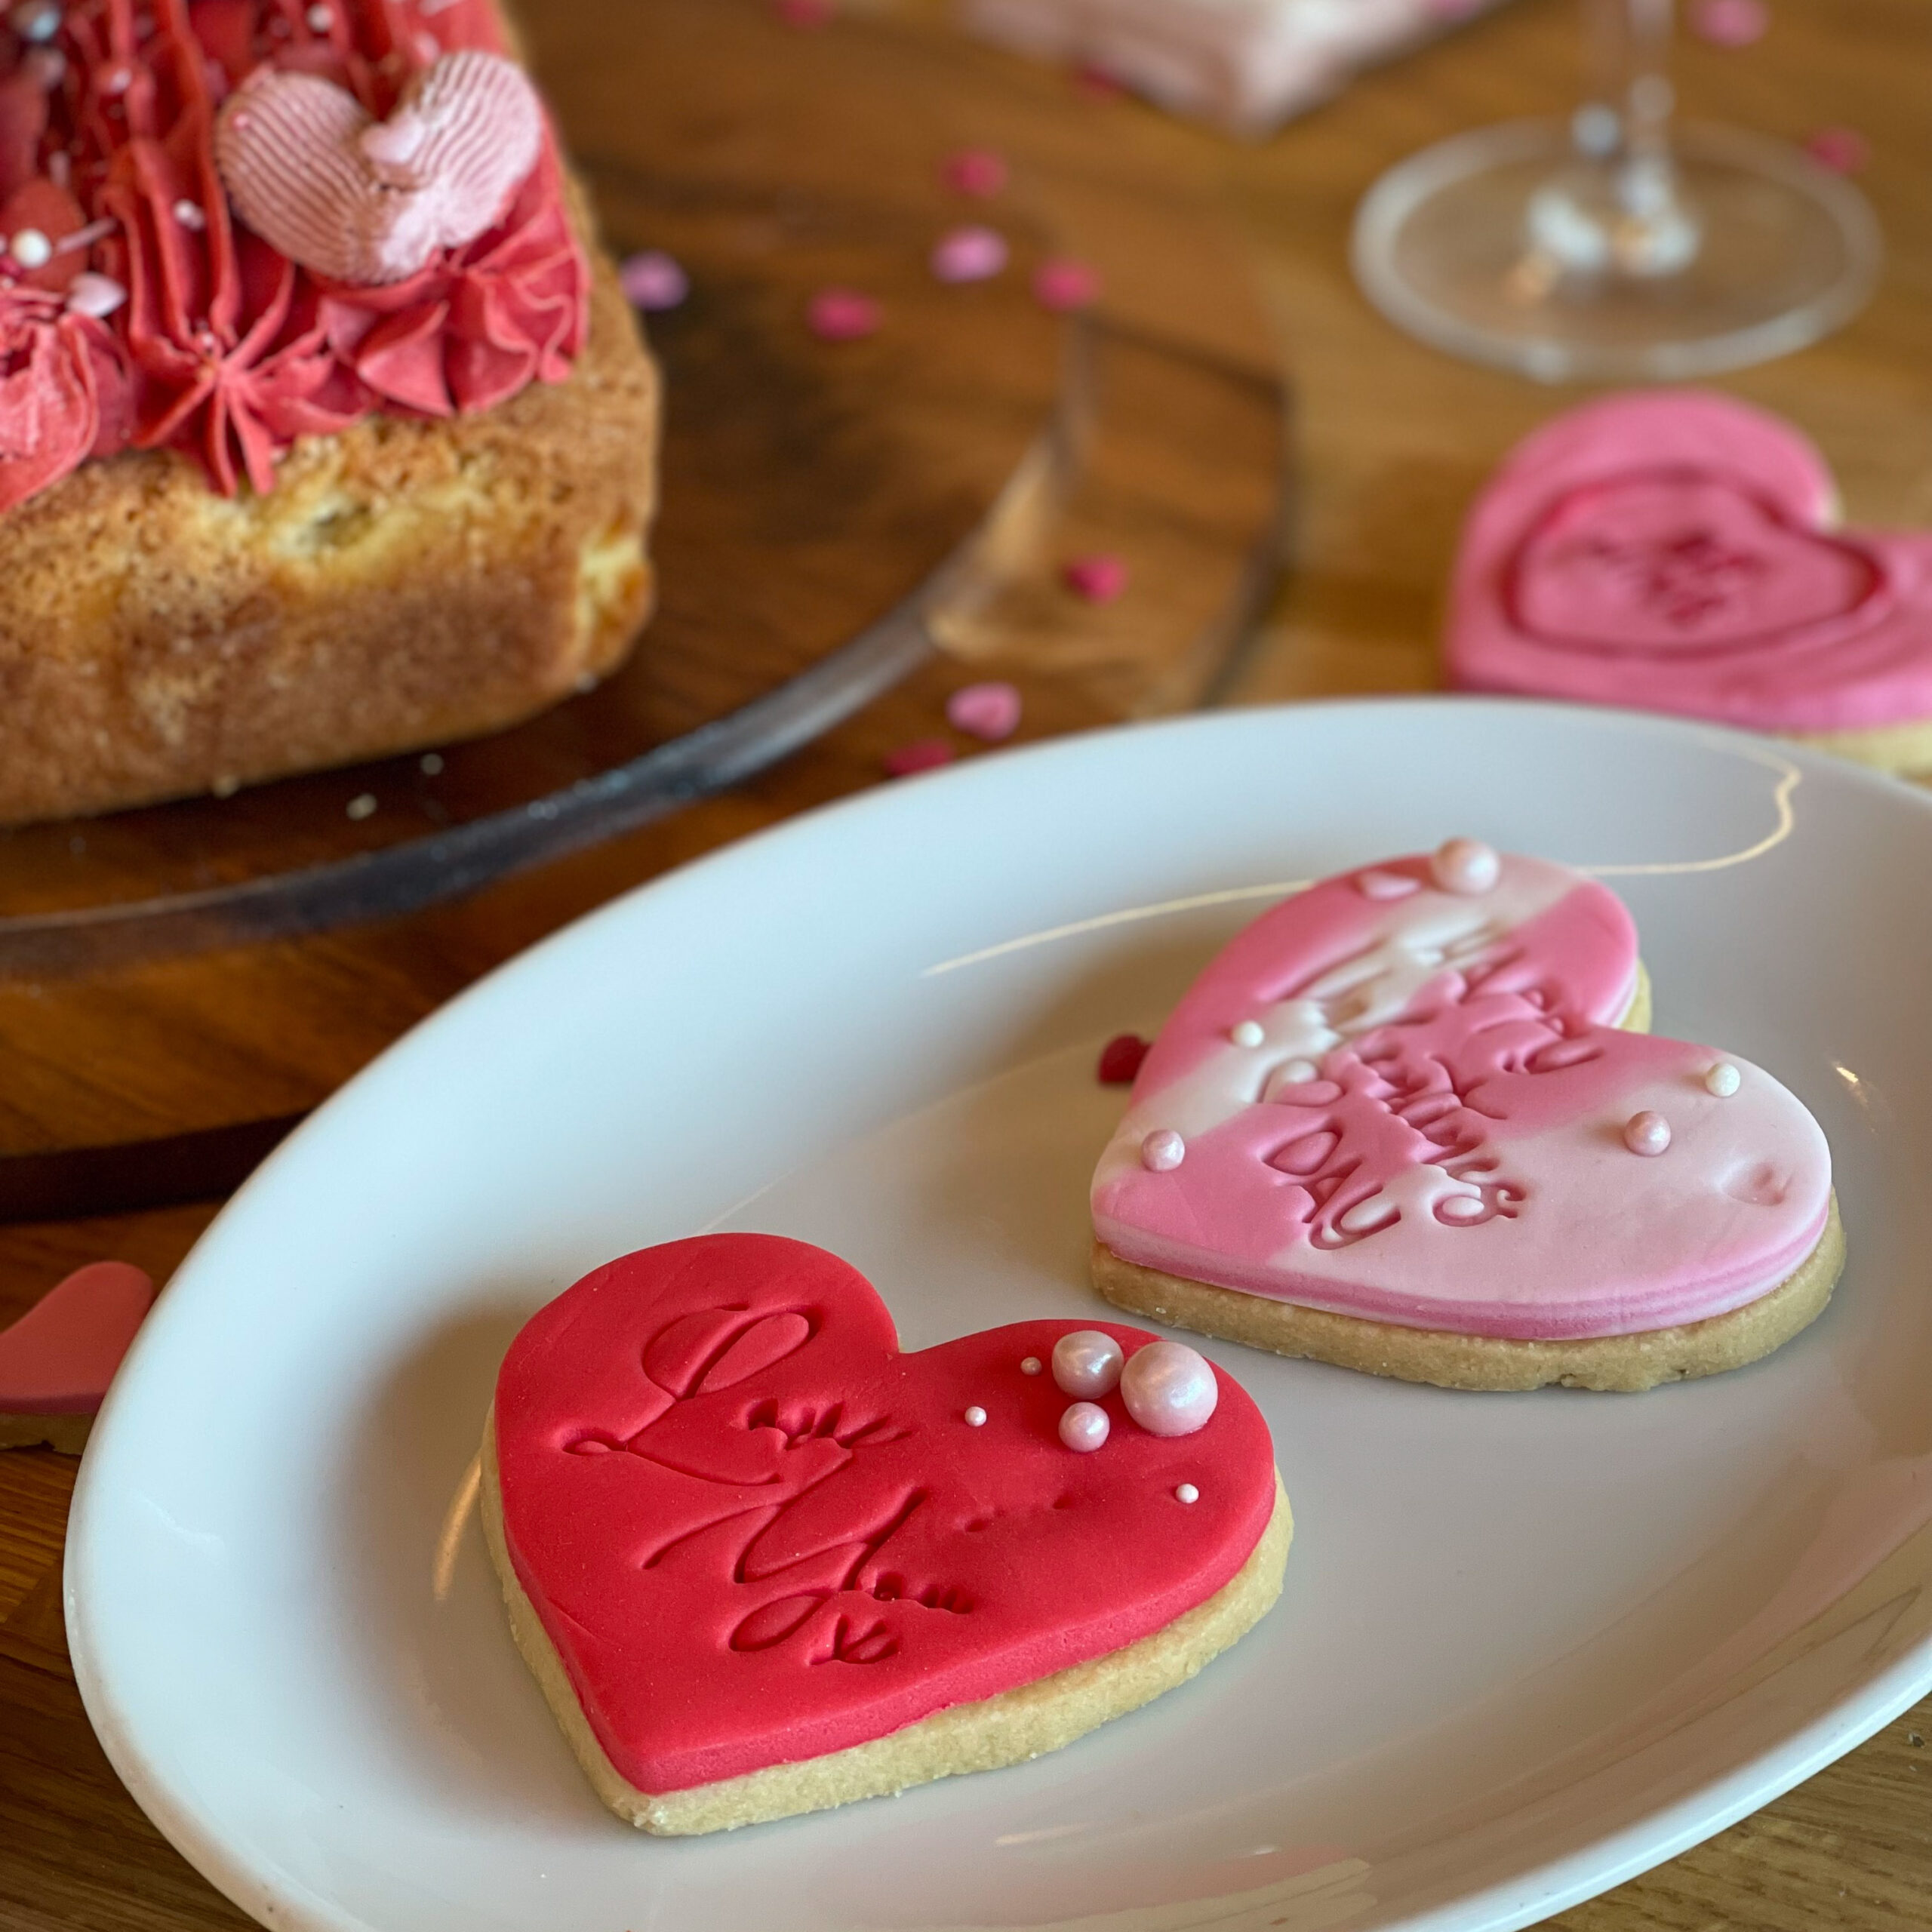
(1676, 551)
(1432, 1130)
(223, 347)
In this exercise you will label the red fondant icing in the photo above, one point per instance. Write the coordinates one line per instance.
(59, 1358)
(225, 349)
(756, 1532)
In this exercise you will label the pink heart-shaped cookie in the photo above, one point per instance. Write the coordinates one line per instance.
(366, 201)
(1674, 551)
(1403, 1096)
(56, 1362)
(755, 1533)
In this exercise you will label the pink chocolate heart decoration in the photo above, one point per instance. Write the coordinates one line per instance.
(1402, 1096)
(1674, 551)
(366, 201)
(58, 1358)
(757, 1533)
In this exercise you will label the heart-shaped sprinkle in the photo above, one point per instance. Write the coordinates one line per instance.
(1062, 285)
(1844, 150)
(976, 171)
(364, 201)
(58, 1358)
(1099, 578)
(990, 711)
(718, 1475)
(1120, 1060)
(969, 254)
(652, 281)
(1675, 551)
(922, 755)
(1450, 1130)
(1730, 23)
(842, 315)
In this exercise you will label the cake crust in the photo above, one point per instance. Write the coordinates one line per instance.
(407, 583)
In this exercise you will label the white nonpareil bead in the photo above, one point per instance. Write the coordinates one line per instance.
(1465, 866)
(1169, 1389)
(1084, 1427)
(1163, 1150)
(1247, 1033)
(1087, 1362)
(1723, 1080)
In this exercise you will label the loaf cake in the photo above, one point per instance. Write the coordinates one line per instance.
(325, 431)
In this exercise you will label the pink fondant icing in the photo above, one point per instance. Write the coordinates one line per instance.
(1675, 551)
(755, 1532)
(1458, 1159)
(225, 349)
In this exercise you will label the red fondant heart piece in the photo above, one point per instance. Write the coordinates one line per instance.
(366, 201)
(59, 1358)
(1675, 551)
(756, 1532)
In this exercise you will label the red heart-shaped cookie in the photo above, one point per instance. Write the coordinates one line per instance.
(1675, 551)
(755, 1533)
(366, 201)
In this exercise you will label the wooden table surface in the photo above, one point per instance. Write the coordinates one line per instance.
(1226, 259)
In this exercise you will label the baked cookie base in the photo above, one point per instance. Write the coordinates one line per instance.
(1624, 1363)
(1006, 1729)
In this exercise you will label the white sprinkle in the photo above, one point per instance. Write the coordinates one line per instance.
(31, 248)
(1723, 1080)
(976, 1417)
(1247, 1033)
(38, 20)
(320, 19)
(116, 81)
(1187, 1492)
(430, 764)
(1299, 1072)
(1031, 1366)
(363, 804)
(189, 215)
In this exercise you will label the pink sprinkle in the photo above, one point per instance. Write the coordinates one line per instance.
(1844, 150)
(804, 13)
(841, 315)
(969, 254)
(976, 171)
(1063, 284)
(922, 755)
(988, 711)
(652, 281)
(1730, 23)
(1099, 578)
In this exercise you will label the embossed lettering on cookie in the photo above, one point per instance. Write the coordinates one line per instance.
(761, 1563)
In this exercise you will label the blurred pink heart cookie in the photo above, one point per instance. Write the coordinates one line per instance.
(1676, 551)
(56, 1361)
(1407, 1122)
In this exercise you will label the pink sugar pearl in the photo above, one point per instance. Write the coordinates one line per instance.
(652, 281)
(968, 254)
(975, 171)
(1647, 1133)
(922, 755)
(989, 710)
(1084, 1427)
(1062, 284)
(1730, 23)
(842, 315)
(1169, 1389)
(1099, 578)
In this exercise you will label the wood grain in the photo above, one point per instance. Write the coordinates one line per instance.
(1227, 261)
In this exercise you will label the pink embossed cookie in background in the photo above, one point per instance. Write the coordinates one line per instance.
(58, 1360)
(1406, 1096)
(1677, 551)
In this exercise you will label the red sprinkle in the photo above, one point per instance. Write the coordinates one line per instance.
(1120, 1058)
(1099, 578)
(1730, 23)
(976, 171)
(1844, 150)
(922, 755)
(841, 315)
(1063, 284)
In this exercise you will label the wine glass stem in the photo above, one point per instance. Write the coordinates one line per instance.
(1632, 57)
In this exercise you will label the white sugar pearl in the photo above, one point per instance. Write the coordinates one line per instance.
(189, 215)
(1031, 1366)
(31, 249)
(39, 19)
(1163, 1150)
(1169, 1389)
(1723, 1080)
(1465, 866)
(321, 19)
(1087, 1362)
(1187, 1492)
(1083, 1428)
(95, 295)
(1647, 1133)
(1247, 1033)
(976, 1417)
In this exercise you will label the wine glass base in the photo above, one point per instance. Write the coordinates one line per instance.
(1444, 246)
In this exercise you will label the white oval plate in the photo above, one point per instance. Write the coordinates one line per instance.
(1530, 1645)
